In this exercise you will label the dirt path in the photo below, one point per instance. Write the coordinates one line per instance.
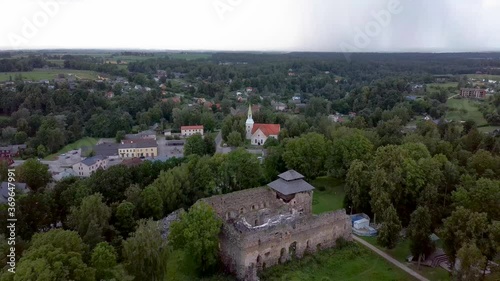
(390, 259)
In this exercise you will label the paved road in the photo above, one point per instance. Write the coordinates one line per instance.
(218, 145)
(390, 259)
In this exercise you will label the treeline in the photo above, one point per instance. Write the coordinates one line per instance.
(21, 64)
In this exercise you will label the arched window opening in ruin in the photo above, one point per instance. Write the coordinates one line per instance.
(259, 242)
(259, 259)
(282, 256)
(264, 266)
(256, 222)
(242, 210)
(308, 246)
(267, 254)
(292, 250)
(318, 247)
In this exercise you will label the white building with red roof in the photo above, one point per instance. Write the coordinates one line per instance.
(259, 133)
(187, 131)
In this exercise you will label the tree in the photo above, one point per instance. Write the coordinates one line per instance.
(482, 195)
(151, 203)
(240, 170)
(195, 145)
(389, 231)
(120, 135)
(358, 186)
(462, 227)
(418, 232)
(35, 174)
(145, 252)
(90, 219)
(345, 150)
(125, 218)
(111, 183)
(173, 186)
(34, 213)
(307, 154)
(471, 263)
(197, 233)
(234, 139)
(55, 255)
(103, 259)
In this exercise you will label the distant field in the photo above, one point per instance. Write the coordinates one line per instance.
(464, 109)
(488, 129)
(190, 56)
(435, 87)
(58, 62)
(331, 198)
(85, 142)
(49, 74)
(484, 76)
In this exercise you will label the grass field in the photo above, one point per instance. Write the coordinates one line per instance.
(464, 109)
(331, 198)
(402, 250)
(85, 142)
(436, 87)
(488, 129)
(42, 74)
(484, 76)
(352, 262)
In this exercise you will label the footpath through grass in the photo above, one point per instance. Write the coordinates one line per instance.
(351, 262)
(328, 194)
(85, 142)
(401, 251)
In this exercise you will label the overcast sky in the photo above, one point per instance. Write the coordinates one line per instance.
(253, 25)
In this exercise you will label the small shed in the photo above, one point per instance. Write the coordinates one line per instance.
(362, 223)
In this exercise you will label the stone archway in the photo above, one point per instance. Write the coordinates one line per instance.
(283, 257)
(292, 250)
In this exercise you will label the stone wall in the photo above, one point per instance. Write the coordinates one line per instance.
(262, 230)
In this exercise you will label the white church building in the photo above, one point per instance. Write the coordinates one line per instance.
(259, 133)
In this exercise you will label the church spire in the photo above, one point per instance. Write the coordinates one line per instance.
(249, 111)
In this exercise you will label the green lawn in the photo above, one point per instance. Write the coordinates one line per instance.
(85, 142)
(435, 87)
(464, 109)
(488, 129)
(402, 250)
(484, 76)
(353, 262)
(49, 74)
(331, 198)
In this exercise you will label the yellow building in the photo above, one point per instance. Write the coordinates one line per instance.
(138, 148)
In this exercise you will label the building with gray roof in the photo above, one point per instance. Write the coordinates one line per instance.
(290, 182)
(4, 190)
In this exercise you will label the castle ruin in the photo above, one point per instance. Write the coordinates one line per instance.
(269, 225)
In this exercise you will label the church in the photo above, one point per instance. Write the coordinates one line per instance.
(259, 133)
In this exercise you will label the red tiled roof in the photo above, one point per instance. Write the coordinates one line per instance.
(267, 129)
(197, 127)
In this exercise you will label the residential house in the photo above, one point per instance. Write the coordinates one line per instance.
(12, 150)
(4, 190)
(138, 148)
(473, 93)
(187, 131)
(110, 95)
(337, 118)
(90, 165)
(278, 106)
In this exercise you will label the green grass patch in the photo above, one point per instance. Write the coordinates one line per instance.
(465, 109)
(402, 251)
(488, 129)
(328, 194)
(352, 262)
(436, 87)
(190, 56)
(484, 76)
(49, 74)
(85, 142)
